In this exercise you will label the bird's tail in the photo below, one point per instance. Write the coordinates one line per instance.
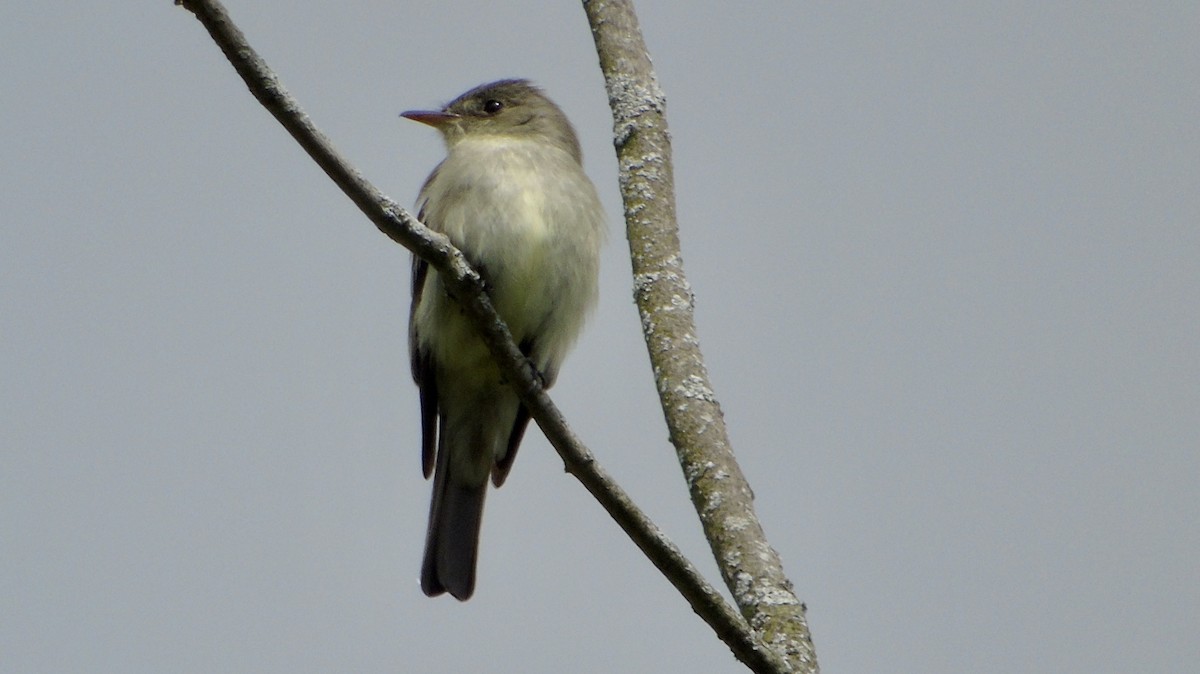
(452, 541)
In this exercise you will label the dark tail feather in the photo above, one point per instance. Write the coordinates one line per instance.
(452, 542)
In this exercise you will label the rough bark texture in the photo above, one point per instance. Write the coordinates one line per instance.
(751, 569)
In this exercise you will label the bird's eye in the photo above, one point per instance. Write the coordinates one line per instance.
(492, 106)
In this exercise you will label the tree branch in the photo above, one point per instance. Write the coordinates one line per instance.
(466, 286)
(751, 569)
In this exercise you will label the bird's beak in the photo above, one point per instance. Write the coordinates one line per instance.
(435, 118)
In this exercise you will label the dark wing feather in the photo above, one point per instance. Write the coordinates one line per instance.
(423, 372)
(520, 423)
(500, 470)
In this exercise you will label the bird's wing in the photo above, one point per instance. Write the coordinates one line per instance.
(422, 367)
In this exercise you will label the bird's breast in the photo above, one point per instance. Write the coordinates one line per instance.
(528, 218)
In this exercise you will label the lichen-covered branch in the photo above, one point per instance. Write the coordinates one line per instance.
(751, 568)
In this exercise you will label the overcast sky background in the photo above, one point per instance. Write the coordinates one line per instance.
(947, 267)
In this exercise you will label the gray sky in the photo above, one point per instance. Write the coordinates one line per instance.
(947, 266)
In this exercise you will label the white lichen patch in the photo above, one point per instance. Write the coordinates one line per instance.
(695, 471)
(737, 523)
(630, 98)
(694, 387)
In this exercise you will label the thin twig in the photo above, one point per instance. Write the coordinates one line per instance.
(465, 285)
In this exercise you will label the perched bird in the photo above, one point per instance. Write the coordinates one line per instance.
(512, 195)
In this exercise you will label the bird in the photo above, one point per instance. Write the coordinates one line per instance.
(513, 196)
